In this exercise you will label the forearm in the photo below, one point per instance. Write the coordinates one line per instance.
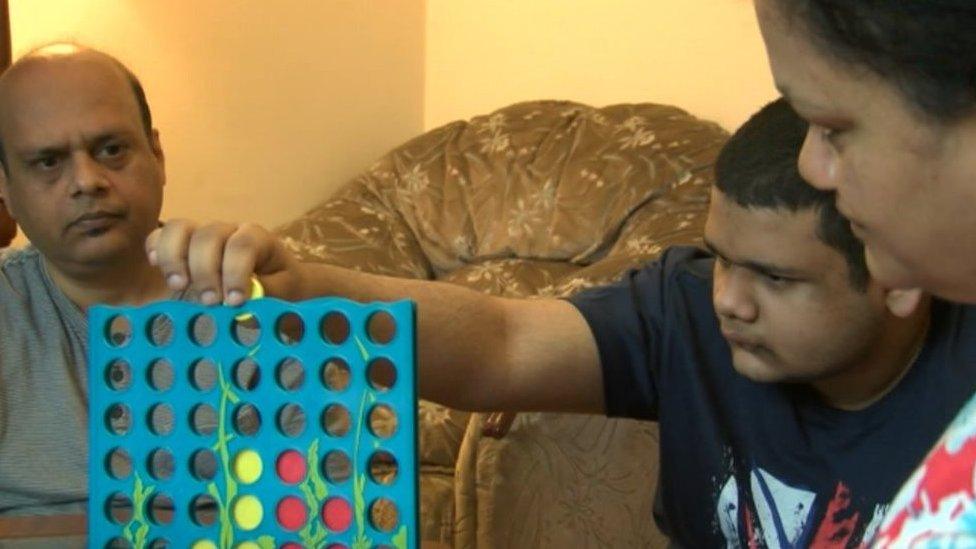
(463, 344)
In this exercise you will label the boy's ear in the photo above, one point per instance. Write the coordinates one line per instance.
(902, 303)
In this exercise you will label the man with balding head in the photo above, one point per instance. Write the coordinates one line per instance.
(83, 175)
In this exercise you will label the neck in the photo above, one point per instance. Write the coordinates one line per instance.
(131, 282)
(875, 375)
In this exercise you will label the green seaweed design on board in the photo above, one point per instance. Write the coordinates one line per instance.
(140, 493)
(228, 398)
(361, 541)
(315, 492)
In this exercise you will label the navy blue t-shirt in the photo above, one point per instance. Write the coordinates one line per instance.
(747, 464)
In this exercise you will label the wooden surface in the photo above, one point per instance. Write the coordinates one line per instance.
(42, 526)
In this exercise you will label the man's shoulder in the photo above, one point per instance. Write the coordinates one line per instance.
(21, 270)
(19, 258)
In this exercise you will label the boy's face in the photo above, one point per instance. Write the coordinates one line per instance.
(784, 298)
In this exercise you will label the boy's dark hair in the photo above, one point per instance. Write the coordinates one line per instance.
(757, 168)
(926, 48)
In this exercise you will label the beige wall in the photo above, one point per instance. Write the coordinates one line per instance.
(263, 107)
(703, 55)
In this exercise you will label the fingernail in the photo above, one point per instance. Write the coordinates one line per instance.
(152, 257)
(208, 297)
(176, 281)
(235, 297)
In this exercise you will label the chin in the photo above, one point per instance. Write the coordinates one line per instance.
(757, 369)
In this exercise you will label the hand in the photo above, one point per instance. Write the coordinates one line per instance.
(218, 260)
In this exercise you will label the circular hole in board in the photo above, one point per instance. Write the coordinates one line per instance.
(159, 330)
(291, 420)
(160, 375)
(247, 374)
(336, 420)
(291, 467)
(291, 374)
(383, 467)
(382, 421)
(118, 331)
(118, 543)
(337, 514)
(161, 509)
(118, 508)
(160, 543)
(203, 510)
(203, 464)
(247, 466)
(203, 419)
(290, 329)
(247, 420)
(118, 464)
(203, 374)
(246, 330)
(118, 375)
(161, 419)
(381, 327)
(118, 419)
(384, 515)
(161, 464)
(336, 374)
(337, 467)
(292, 513)
(334, 328)
(382, 374)
(247, 512)
(203, 330)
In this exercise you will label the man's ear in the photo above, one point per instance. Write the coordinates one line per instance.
(902, 303)
(157, 149)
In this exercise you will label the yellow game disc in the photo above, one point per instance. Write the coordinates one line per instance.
(248, 466)
(203, 544)
(248, 512)
(257, 292)
(248, 545)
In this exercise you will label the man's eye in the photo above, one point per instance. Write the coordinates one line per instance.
(112, 150)
(45, 163)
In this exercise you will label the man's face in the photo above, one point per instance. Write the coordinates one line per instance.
(784, 298)
(83, 180)
(908, 184)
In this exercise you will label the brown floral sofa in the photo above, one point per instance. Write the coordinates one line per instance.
(537, 199)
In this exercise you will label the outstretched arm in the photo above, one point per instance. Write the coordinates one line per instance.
(476, 352)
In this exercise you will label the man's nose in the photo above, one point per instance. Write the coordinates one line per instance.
(88, 176)
(732, 295)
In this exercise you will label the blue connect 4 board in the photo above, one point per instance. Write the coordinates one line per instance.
(273, 424)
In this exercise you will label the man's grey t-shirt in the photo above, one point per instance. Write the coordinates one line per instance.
(43, 391)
